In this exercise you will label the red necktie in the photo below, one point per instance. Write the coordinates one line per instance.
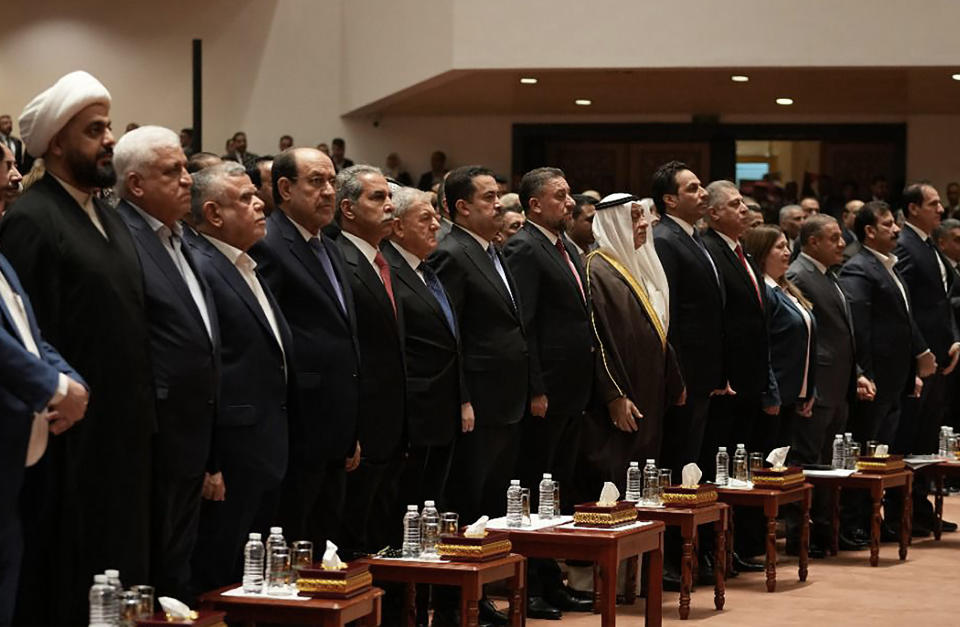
(385, 277)
(573, 269)
(746, 268)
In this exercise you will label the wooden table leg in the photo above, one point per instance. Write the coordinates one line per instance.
(630, 585)
(834, 520)
(517, 613)
(686, 568)
(720, 563)
(695, 562)
(938, 504)
(608, 584)
(597, 596)
(373, 618)
(654, 607)
(771, 553)
(805, 533)
(876, 495)
(470, 593)
(906, 521)
(410, 605)
(730, 536)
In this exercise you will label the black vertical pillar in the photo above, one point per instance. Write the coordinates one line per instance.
(197, 95)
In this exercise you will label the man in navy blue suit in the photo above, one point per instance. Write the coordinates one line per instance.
(154, 187)
(40, 392)
(251, 438)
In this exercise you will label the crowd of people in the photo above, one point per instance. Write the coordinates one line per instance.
(196, 347)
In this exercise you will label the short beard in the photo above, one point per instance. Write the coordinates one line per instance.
(88, 173)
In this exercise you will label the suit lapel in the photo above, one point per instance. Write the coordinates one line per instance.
(731, 258)
(482, 261)
(406, 274)
(551, 251)
(366, 276)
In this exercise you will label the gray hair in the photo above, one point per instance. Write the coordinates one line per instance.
(717, 192)
(813, 227)
(209, 184)
(511, 202)
(784, 210)
(945, 227)
(348, 183)
(406, 197)
(137, 149)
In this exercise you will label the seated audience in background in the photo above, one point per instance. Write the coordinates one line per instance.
(186, 141)
(438, 169)
(502, 186)
(201, 160)
(286, 141)
(238, 151)
(512, 218)
(394, 169)
(810, 205)
(791, 219)
(947, 238)
(879, 188)
(10, 179)
(264, 184)
(580, 224)
(338, 152)
(324, 148)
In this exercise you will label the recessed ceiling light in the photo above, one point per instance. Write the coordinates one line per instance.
(528, 81)
(583, 102)
(739, 78)
(784, 101)
(956, 77)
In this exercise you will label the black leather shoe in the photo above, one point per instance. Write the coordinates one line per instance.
(671, 582)
(920, 531)
(581, 594)
(857, 535)
(747, 566)
(537, 607)
(889, 534)
(849, 544)
(566, 602)
(814, 551)
(948, 526)
(490, 613)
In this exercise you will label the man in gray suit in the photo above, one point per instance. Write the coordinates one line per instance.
(838, 381)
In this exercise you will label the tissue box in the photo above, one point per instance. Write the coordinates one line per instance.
(680, 496)
(604, 516)
(778, 478)
(334, 584)
(459, 548)
(880, 465)
(205, 618)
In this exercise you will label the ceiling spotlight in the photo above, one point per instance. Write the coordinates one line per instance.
(739, 78)
(785, 101)
(583, 102)
(528, 81)
(956, 77)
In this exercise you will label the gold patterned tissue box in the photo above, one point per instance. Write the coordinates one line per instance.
(461, 548)
(873, 464)
(604, 516)
(783, 478)
(694, 496)
(334, 584)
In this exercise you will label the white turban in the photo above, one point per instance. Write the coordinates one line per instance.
(50, 111)
(613, 230)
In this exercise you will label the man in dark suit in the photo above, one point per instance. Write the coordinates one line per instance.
(696, 296)
(838, 383)
(40, 394)
(251, 437)
(306, 274)
(550, 288)
(154, 190)
(14, 144)
(364, 213)
(438, 171)
(929, 280)
(77, 261)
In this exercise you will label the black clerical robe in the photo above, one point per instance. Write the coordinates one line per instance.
(634, 360)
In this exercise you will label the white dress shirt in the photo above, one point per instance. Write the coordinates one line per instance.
(412, 260)
(85, 201)
(888, 262)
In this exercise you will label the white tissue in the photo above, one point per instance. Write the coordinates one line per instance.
(778, 457)
(608, 495)
(331, 561)
(882, 450)
(477, 529)
(176, 609)
(690, 476)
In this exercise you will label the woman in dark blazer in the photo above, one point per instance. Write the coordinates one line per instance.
(792, 330)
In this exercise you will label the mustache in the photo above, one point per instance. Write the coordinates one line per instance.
(106, 152)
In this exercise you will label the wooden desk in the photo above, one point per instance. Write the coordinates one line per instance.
(606, 548)
(688, 519)
(470, 577)
(940, 471)
(363, 608)
(770, 501)
(875, 484)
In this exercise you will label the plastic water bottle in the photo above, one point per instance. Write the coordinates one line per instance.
(514, 505)
(430, 529)
(945, 433)
(839, 458)
(651, 483)
(253, 564)
(545, 506)
(412, 546)
(113, 578)
(274, 539)
(723, 466)
(740, 463)
(104, 603)
(847, 444)
(634, 483)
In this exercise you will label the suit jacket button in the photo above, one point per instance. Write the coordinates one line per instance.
(593, 349)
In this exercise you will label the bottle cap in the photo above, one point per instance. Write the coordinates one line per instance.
(429, 504)
(514, 482)
(846, 433)
(547, 475)
(634, 464)
(112, 572)
(100, 578)
(722, 449)
(411, 508)
(276, 529)
(254, 536)
(741, 446)
(650, 461)
(839, 435)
